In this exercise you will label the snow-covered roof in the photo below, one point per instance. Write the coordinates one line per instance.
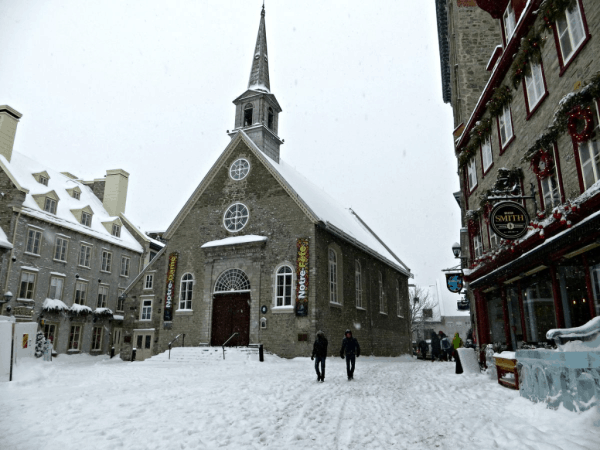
(21, 169)
(4, 243)
(235, 240)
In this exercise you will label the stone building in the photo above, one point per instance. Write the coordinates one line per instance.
(530, 136)
(69, 251)
(260, 251)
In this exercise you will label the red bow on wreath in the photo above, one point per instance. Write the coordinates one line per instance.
(577, 117)
(542, 164)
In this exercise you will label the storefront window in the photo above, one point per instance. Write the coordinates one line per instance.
(514, 315)
(573, 291)
(538, 304)
(496, 317)
(595, 273)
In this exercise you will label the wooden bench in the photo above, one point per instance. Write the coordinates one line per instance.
(505, 366)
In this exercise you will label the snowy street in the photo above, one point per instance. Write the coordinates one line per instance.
(88, 402)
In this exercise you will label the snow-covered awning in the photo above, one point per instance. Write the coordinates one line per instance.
(235, 240)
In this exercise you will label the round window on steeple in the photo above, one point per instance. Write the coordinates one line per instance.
(236, 217)
(239, 169)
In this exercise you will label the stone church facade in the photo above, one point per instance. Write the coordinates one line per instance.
(259, 251)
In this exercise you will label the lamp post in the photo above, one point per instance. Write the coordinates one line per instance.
(6, 298)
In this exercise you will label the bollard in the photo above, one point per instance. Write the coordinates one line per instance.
(183, 341)
(261, 354)
(112, 353)
(133, 352)
(169, 350)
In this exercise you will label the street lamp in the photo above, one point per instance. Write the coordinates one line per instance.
(456, 250)
(6, 298)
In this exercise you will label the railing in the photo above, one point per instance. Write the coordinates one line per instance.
(176, 337)
(227, 341)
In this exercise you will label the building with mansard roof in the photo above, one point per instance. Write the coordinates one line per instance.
(260, 253)
(67, 250)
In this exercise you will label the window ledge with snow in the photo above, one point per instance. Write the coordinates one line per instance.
(282, 309)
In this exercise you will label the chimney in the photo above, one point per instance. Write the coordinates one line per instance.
(9, 118)
(115, 191)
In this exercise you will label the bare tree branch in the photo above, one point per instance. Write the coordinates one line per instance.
(422, 308)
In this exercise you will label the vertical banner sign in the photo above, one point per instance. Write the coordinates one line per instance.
(25, 340)
(302, 277)
(170, 296)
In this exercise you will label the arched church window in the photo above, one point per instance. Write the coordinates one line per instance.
(271, 118)
(284, 286)
(232, 280)
(248, 114)
(186, 291)
(236, 217)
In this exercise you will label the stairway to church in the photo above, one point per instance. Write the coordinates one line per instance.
(204, 355)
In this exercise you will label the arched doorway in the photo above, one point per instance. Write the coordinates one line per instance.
(231, 308)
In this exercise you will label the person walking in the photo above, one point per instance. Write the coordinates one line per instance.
(446, 347)
(435, 346)
(320, 353)
(350, 350)
(456, 343)
(423, 347)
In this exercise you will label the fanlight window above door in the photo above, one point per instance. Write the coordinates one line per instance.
(232, 280)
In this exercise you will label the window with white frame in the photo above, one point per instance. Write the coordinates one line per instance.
(76, 195)
(398, 300)
(50, 332)
(75, 337)
(106, 261)
(102, 296)
(85, 255)
(236, 217)
(96, 339)
(283, 296)
(382, 302)
(120, 300)
(477, 245)
(116, 230)
(472, 174)
(333, 282)
(149, 281)
(505, 123)
(27, 285)
(60, 250)
(50, 205)
(86, 219)
(550, 191)
(80, 292)
(43, 180)
(358, 284)
(34, 239)
(589, 158)
(509, 21)
(494, 238)
(125, 263)
(146, 309)
(534, 85)
(486, 154)
(570, 30)
(56, 288)
(186, 291)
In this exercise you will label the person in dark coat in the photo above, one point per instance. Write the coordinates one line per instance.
(446, 347)
(435, 346)
(423, 347)
(350, 350)
(320, 353)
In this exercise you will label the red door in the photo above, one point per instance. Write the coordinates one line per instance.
(231, 314)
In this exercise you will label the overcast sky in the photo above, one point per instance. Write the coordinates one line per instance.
(147, 86)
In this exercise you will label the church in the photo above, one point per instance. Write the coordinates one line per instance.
(260, 255)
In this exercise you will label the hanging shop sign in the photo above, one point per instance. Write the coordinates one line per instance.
(302, 278)
(509, 220)
(170, 295)
(454, 282)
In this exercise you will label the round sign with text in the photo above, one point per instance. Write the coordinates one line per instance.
(509, 220)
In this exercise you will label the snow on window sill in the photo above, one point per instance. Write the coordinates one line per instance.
(383, 313)
(282, 309)
(26, 300)
(360, 308)
(32, 254)
(184, 311)
(337, 305)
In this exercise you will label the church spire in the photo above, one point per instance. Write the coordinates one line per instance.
(259, 74)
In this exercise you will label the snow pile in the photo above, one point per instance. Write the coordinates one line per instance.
(103, 312)
(245, 404)
(235, 240)
(80, 309)
(54, 305)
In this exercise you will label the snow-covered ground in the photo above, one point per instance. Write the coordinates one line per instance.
(84, 402)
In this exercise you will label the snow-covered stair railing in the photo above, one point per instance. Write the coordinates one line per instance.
(569, 375)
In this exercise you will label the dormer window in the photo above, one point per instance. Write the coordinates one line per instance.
(76, 195)
(509, 22)
(116, 230)
(42, 177)
(86, 219)
(50, 205)
(248, 109)
(44, 180)
(271, 117)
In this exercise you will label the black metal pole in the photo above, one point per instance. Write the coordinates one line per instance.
(183, 341)
(261, 355)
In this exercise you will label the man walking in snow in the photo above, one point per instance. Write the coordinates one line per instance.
(320, 352)
(350, 350)
(435, 346)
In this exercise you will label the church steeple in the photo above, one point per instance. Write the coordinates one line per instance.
(257, 110)
(259, 74)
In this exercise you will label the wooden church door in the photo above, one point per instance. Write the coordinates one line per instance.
(231, 314)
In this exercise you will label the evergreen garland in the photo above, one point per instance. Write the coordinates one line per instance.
(530, 51)
(551, 10)
(501, 98)
(480, 133)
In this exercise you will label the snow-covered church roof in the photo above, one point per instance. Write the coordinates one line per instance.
(21, 170)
